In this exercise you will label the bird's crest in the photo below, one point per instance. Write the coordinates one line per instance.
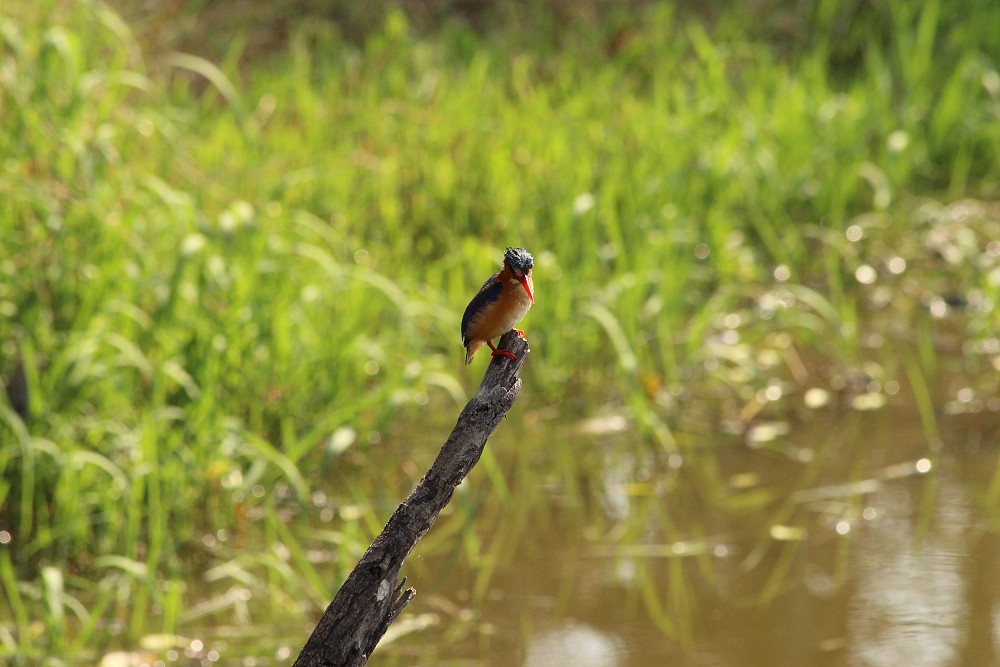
(518, 258)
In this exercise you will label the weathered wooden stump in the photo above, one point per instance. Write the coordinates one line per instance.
(373, 595)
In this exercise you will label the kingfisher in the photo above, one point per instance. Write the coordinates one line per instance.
(500, 304)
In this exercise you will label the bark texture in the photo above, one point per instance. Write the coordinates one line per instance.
(374, 595)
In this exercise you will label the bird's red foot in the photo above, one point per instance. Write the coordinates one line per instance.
(506, 353)
(520, 333)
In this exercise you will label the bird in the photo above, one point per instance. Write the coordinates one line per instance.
(501, 302)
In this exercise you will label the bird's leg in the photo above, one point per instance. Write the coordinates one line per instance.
(506, 353)
(520, 333)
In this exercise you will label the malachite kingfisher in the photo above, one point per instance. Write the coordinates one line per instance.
(500, 304)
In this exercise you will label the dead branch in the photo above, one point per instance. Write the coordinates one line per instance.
(373, 595)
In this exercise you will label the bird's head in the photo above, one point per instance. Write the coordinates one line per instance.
(520, 262)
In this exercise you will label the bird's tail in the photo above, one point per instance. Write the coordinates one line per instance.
(470, 350)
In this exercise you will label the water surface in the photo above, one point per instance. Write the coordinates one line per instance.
(867, 546)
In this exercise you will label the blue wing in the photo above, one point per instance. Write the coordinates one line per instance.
(488, 293)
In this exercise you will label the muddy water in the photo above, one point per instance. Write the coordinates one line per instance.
(851, 539)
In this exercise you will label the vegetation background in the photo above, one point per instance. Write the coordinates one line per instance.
(237, 238)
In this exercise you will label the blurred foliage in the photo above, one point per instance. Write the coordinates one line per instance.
(848, 29)
(236, 240)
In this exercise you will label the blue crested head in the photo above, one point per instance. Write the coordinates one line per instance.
(518, 258)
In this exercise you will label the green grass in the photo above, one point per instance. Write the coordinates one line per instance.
(208, 269)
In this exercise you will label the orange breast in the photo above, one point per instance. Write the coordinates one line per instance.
(500, 316)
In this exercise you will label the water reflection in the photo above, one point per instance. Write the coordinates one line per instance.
(908, 605)
(574, 644)
(862, 555)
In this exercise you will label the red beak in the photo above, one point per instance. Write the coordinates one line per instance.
(524, 283)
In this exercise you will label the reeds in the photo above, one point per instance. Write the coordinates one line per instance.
(230, 282)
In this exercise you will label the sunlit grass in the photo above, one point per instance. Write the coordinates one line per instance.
(227, 282)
